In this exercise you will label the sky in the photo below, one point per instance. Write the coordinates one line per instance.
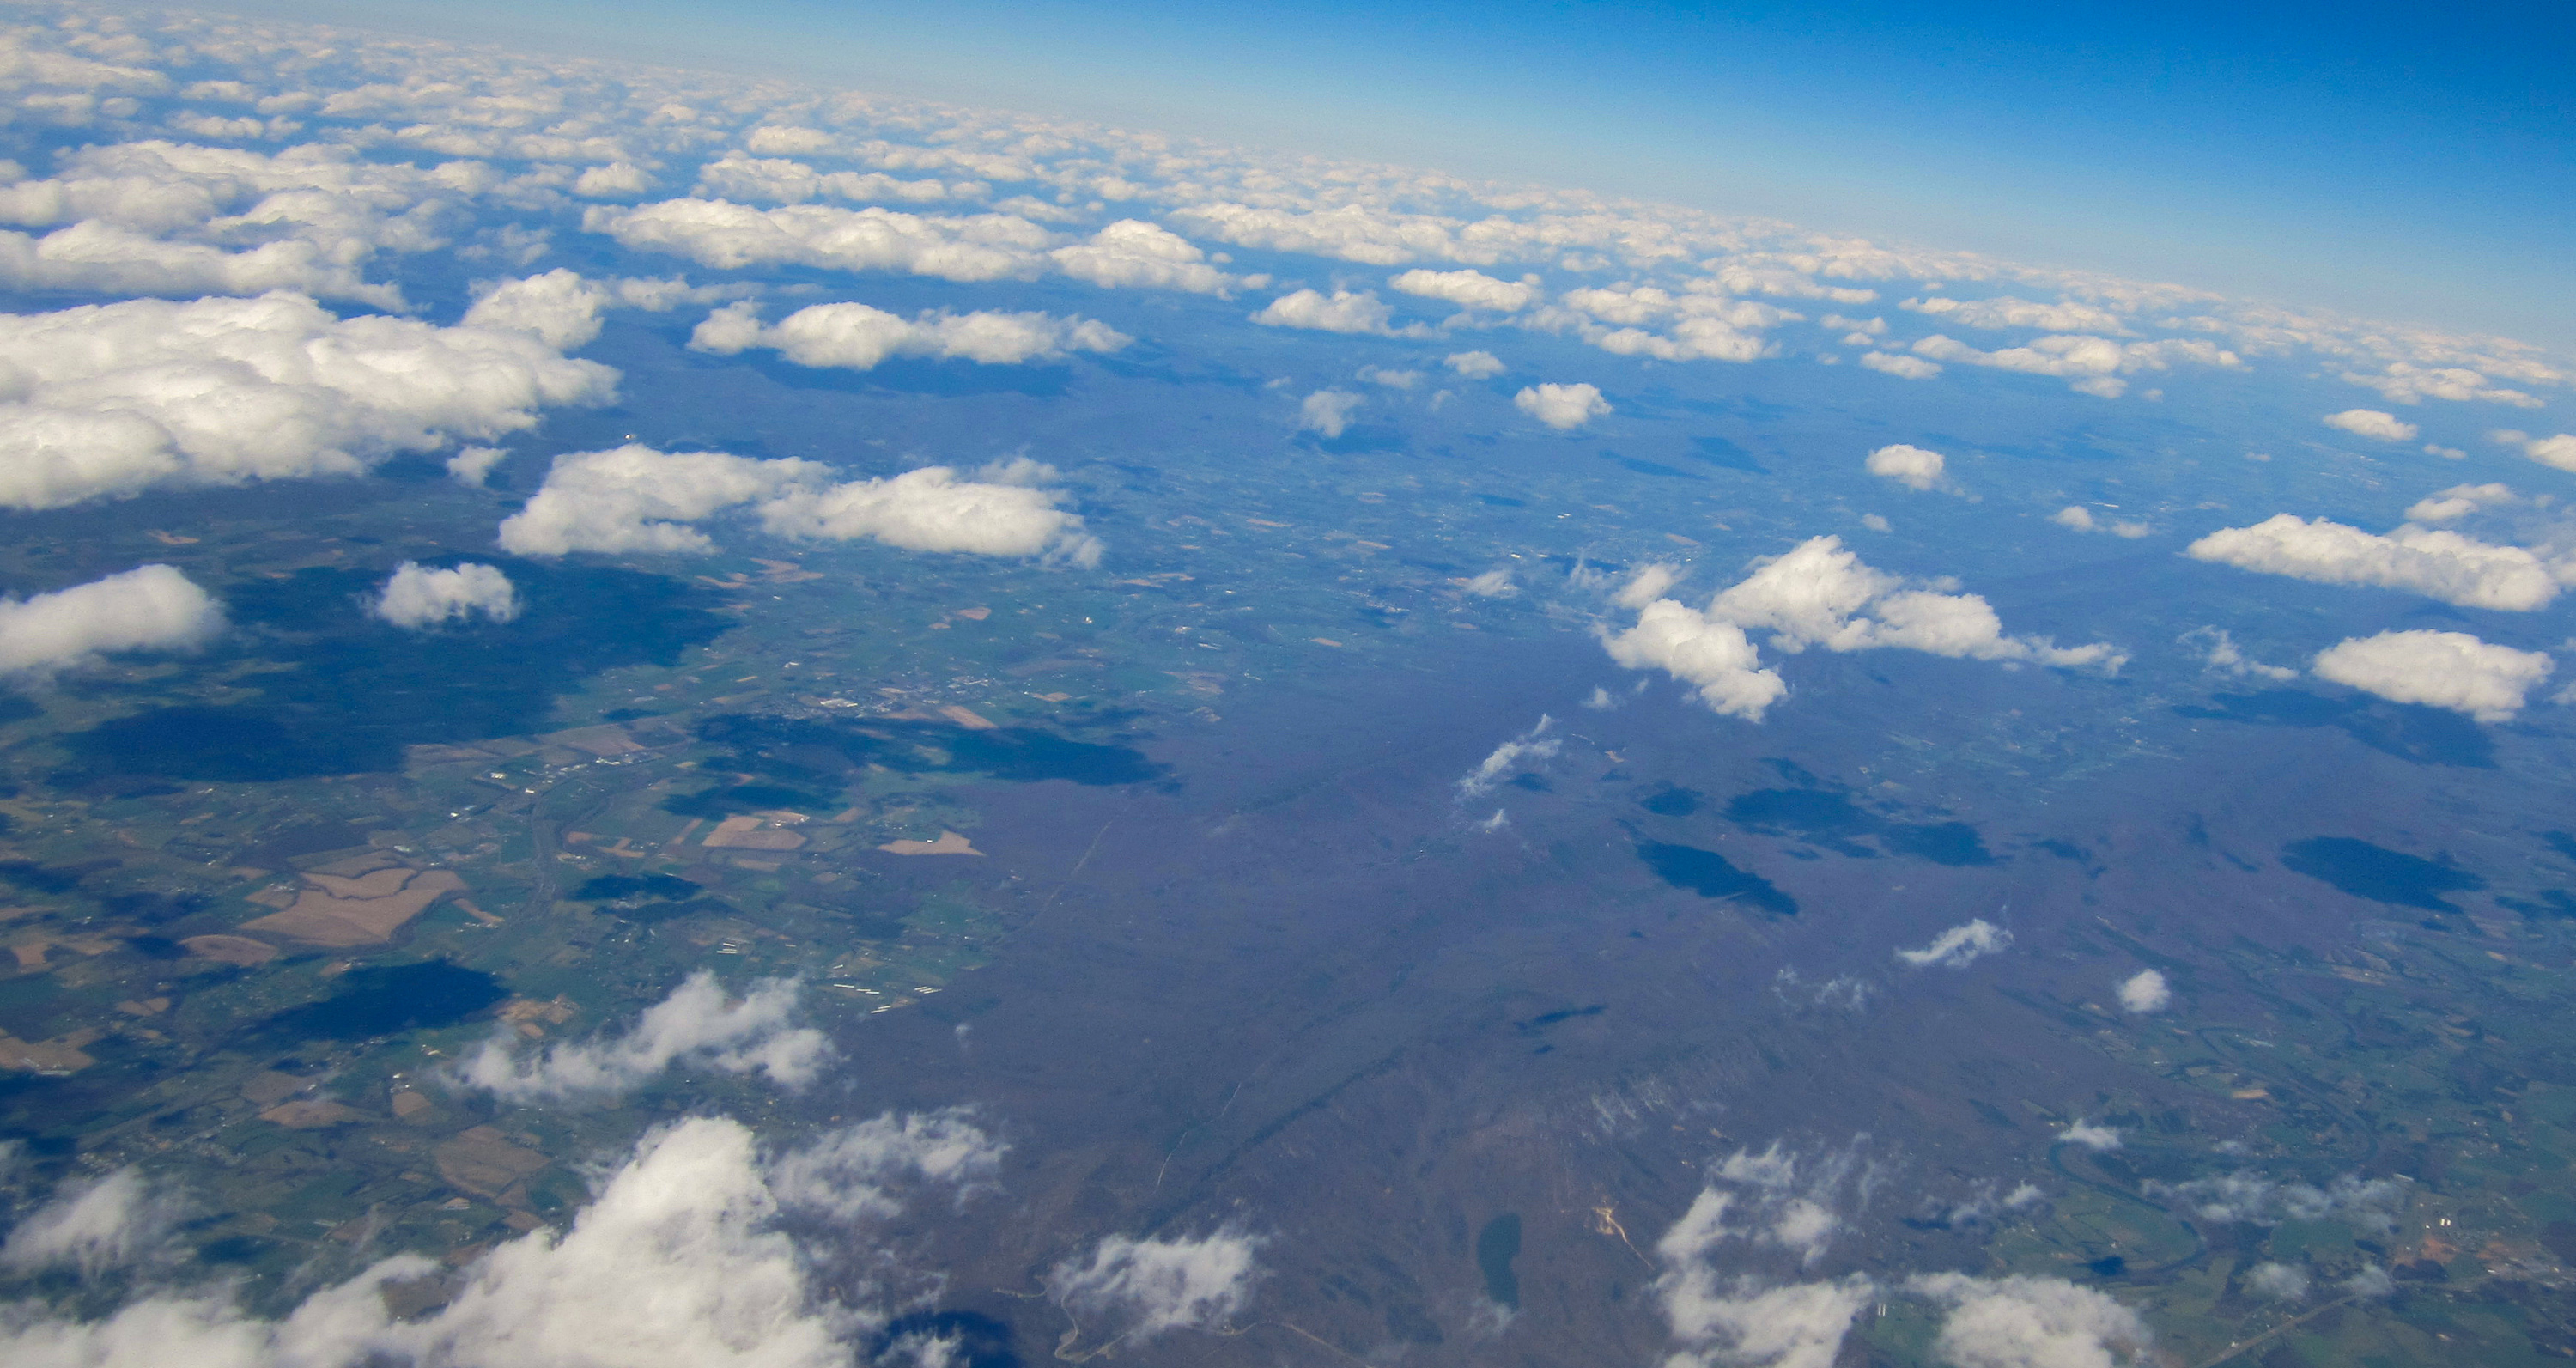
(2382, 164)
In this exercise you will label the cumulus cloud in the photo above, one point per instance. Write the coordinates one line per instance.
(696, 1025)
(148, 608)
(92, 1227)
(114, 398)
(636, 499)
(780, 181)
(853, 1174)
(1147, 1287)
(1342, 311)
(2080, 519)
(2145, 991)
(2089, 365)
(856, 337)
(1474, 365)
(2371, 423)
(617, 180)
(1910, 466)
(1816, 595)
(2004, 311)
(1532, 745)
(1467, 289)
(1715, 1320)
(1900, 366)
(690, 1215)
(2457, 502)
(2437, 564)
(2091, 1135)
(2283, 1282)
(1328, 411)
(473, 465)
(2558, 453)
(1712, 655)
(2404, 382)
(1562, 407)
(1134, 254)
(2027, 1322)
(2220, 653)
(1960, 946)
(730, 236)
(2370, 1203)
(2441, 669)
(419, 597)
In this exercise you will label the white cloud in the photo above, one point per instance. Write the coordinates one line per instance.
(2222, 655)
(1491, 584)
(1467, 289)
(93, 1226)
(1328, 411)
(848, 1173)
(2090, 365)
(1342, 312)
(737, 177)
(1147, 1287)
(2074, 516)
(2404, 382)
(1960, 946)
(114, 398)
(636, 499)
(856, 337)
(2090, 1135)
(559, 308)
(731, 236)
(1814, 595)
(419, 597)
(2558, 453)
(633, 498)
(2437, 564)
(2458, 501)
(2370, 1203)
(2004, 311)
(1134, 254)
(2371, 423)
(1709, 654)
(473, 465)
(617, 180)
(1534, 744)
(696, 1025)
(1902, 367)
(2283, 1282)
(1474, 365)
(2026, 1322)
(1910, 466)
(2442, 669)
(148, 608)
(1562, 406)
(1651, 583)
(2145, 991)
(1741, 1321)
(1392, 379)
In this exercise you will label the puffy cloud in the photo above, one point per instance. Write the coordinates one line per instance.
(1710, 654)
(2442, 669)
(857, 337)
(1134, 254)
(2220, 653)
(1534, 744)
(2371, 423)
(1562, 406)
(473, 465)
(636, 499)
(1902, 367)
(2144, 991)
(1328, 411)
(697, 1024)
(2004, 311)
(2091, 365)
(848, 1173)
(2404, 382)
(114, 398)
(1474, 365)
(2283, 1282)
(1960, 946)
(1467, 289)
(1814, 595)
(736, 176)
(1699, 323)
(2369, 1203)
(2090, 1135)
(1651, 583)
(148, 608)
(562, 309)
(732, 236)
(1343, 312)
(2437, 564)
(95, 1226)
(2558, 453)
(1743, 1321)
(2026, 1322)
(418, 597)
(1392, 379)
(1910, 466)
(617, 180)
(2080, 518)
(1147, 1287)
(2458, 501)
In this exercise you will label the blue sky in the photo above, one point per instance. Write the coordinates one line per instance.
(2384, 160)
